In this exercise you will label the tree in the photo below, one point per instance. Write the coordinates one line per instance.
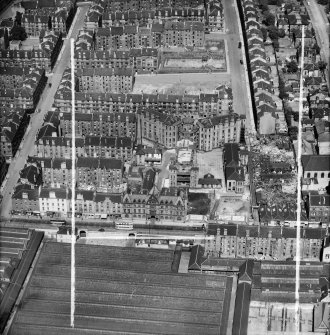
(264, 33)
(293, 131)
(328, 188)
(269, 19)
(322, 66)
(275, 2)
(276, 45)
(298, 54)
(283, 95)
(317, 48)
(273, 33)
(264, 6)
(18, 33)
(292, 67)
(6, 38)
(18, 18)
(50, 23)
(327, 8)
(281, 86)
(281, 33)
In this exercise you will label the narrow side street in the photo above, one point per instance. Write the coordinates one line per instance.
(45, 104)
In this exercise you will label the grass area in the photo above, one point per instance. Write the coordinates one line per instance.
(198, 203)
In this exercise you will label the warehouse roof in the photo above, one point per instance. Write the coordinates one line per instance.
(119, 290)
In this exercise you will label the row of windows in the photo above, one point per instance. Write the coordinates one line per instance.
(322, 175)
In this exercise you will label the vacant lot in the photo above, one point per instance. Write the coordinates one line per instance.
(183, 83)
(233, 206)
(198, 203)
(196, 64)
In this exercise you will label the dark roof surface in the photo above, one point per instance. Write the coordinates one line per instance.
(121, 291)
(316, 162)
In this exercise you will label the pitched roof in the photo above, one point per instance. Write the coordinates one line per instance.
(235, 173)
(196, 257)
(316, 162)
(241, 312)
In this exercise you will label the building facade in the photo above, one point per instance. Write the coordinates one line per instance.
(99, 174)
(105, 80)
(169, 205)
(264, 242)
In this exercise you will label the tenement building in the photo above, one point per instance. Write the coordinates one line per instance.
(100, 124)
(100, 174)
(207, 133)
(170, 33)
(183, 169)
(105, 80)
(202, 105)
(214, 132)
(90, 146)
(170, 204)
(141, 60)
(277, 243)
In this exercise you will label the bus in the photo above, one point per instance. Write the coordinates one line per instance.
(124, 225)
(58, 222)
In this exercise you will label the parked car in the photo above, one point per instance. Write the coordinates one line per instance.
(239, 45)
(241, 61)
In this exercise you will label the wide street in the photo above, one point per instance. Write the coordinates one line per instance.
(237, 71)
(322, 30)
(45, 104)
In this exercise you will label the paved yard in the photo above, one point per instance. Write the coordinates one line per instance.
(211, 162)
(30, 43)
(191, 83)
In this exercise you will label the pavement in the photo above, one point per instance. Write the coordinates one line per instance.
(322, 30)
(45, 104)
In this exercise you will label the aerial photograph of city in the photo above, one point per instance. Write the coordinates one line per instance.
(164, 167)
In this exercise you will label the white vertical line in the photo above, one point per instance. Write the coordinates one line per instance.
(73, 185)
(297, 315)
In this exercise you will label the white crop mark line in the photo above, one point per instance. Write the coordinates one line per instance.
(73, 193)
(297, 314)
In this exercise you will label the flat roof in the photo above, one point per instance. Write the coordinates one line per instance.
(121, 291)
(184, 155)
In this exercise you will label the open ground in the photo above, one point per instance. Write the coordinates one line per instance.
(233, 206)
(182, 83)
